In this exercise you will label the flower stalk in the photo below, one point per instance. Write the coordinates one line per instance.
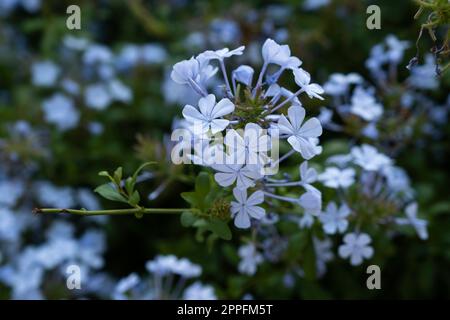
(113, 212)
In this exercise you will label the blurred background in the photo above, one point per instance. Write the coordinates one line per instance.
(117, 105)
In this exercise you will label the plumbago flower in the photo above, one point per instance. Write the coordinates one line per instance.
(247, 117)
(356, 247)
(365, 178)
(234, 133)
(248, 121)
(167, 278)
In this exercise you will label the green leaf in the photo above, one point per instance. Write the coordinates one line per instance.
(109, 192)
(104, 174)
(202, 184)
(187, 219)
(191, 198)
(140, 169)
(220, 228)
(134, 199)
(118, 175)
(129, 185)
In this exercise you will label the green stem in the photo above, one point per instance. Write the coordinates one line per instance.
(113, 212)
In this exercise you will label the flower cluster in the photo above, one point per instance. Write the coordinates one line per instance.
(160, 284)
(252, 105)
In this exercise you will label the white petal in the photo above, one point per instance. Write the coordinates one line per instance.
(256, 212)
(240, 195)
(363, 239)
(355, 259)
(329, 228)
(367, 252)
(243, 182)
(269, 49)
(234, 140)
(311, 128)
(306, 149)
(285, 126)
(225, 179)
(218, 125)
(296, 116)
(350, 238)
(206, 104)
(192, 114)
(256, 198)
(242, 220)
(223, 107)
(344, 251)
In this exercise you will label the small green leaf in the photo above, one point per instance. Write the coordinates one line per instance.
(118, 175)
(104, 174)
(109, 192)
(202, 184)
(187, 219)
(129, 185)
(191, 198)
(200, 223)
(140, 169)
(134, 199)
(220, 228)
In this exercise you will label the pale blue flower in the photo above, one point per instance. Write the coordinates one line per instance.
(339, 84)
(299, 132)
(224, 31)
(334, 219)
(244, 207)
(420, 225)
(303, 79)
(369, 158)
(336, 178)
(119, 91)
(363, 104)
(124, 285)
(356, 247)
(60, 111)
(311, 5)
(97, 54)
(424, 76)
(250, 259)
(199, 291)
(44, 73)
(243, 74)
(97, 96)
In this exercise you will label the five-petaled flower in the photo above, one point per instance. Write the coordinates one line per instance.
(335, 178)
(300, 135)
(411, 219)
(303, 79)
(279, 54)
(223, 53)
(356, 246)
(369, 158)
(334, 219)
(209, 115)
(245, 175)
(244, 207)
